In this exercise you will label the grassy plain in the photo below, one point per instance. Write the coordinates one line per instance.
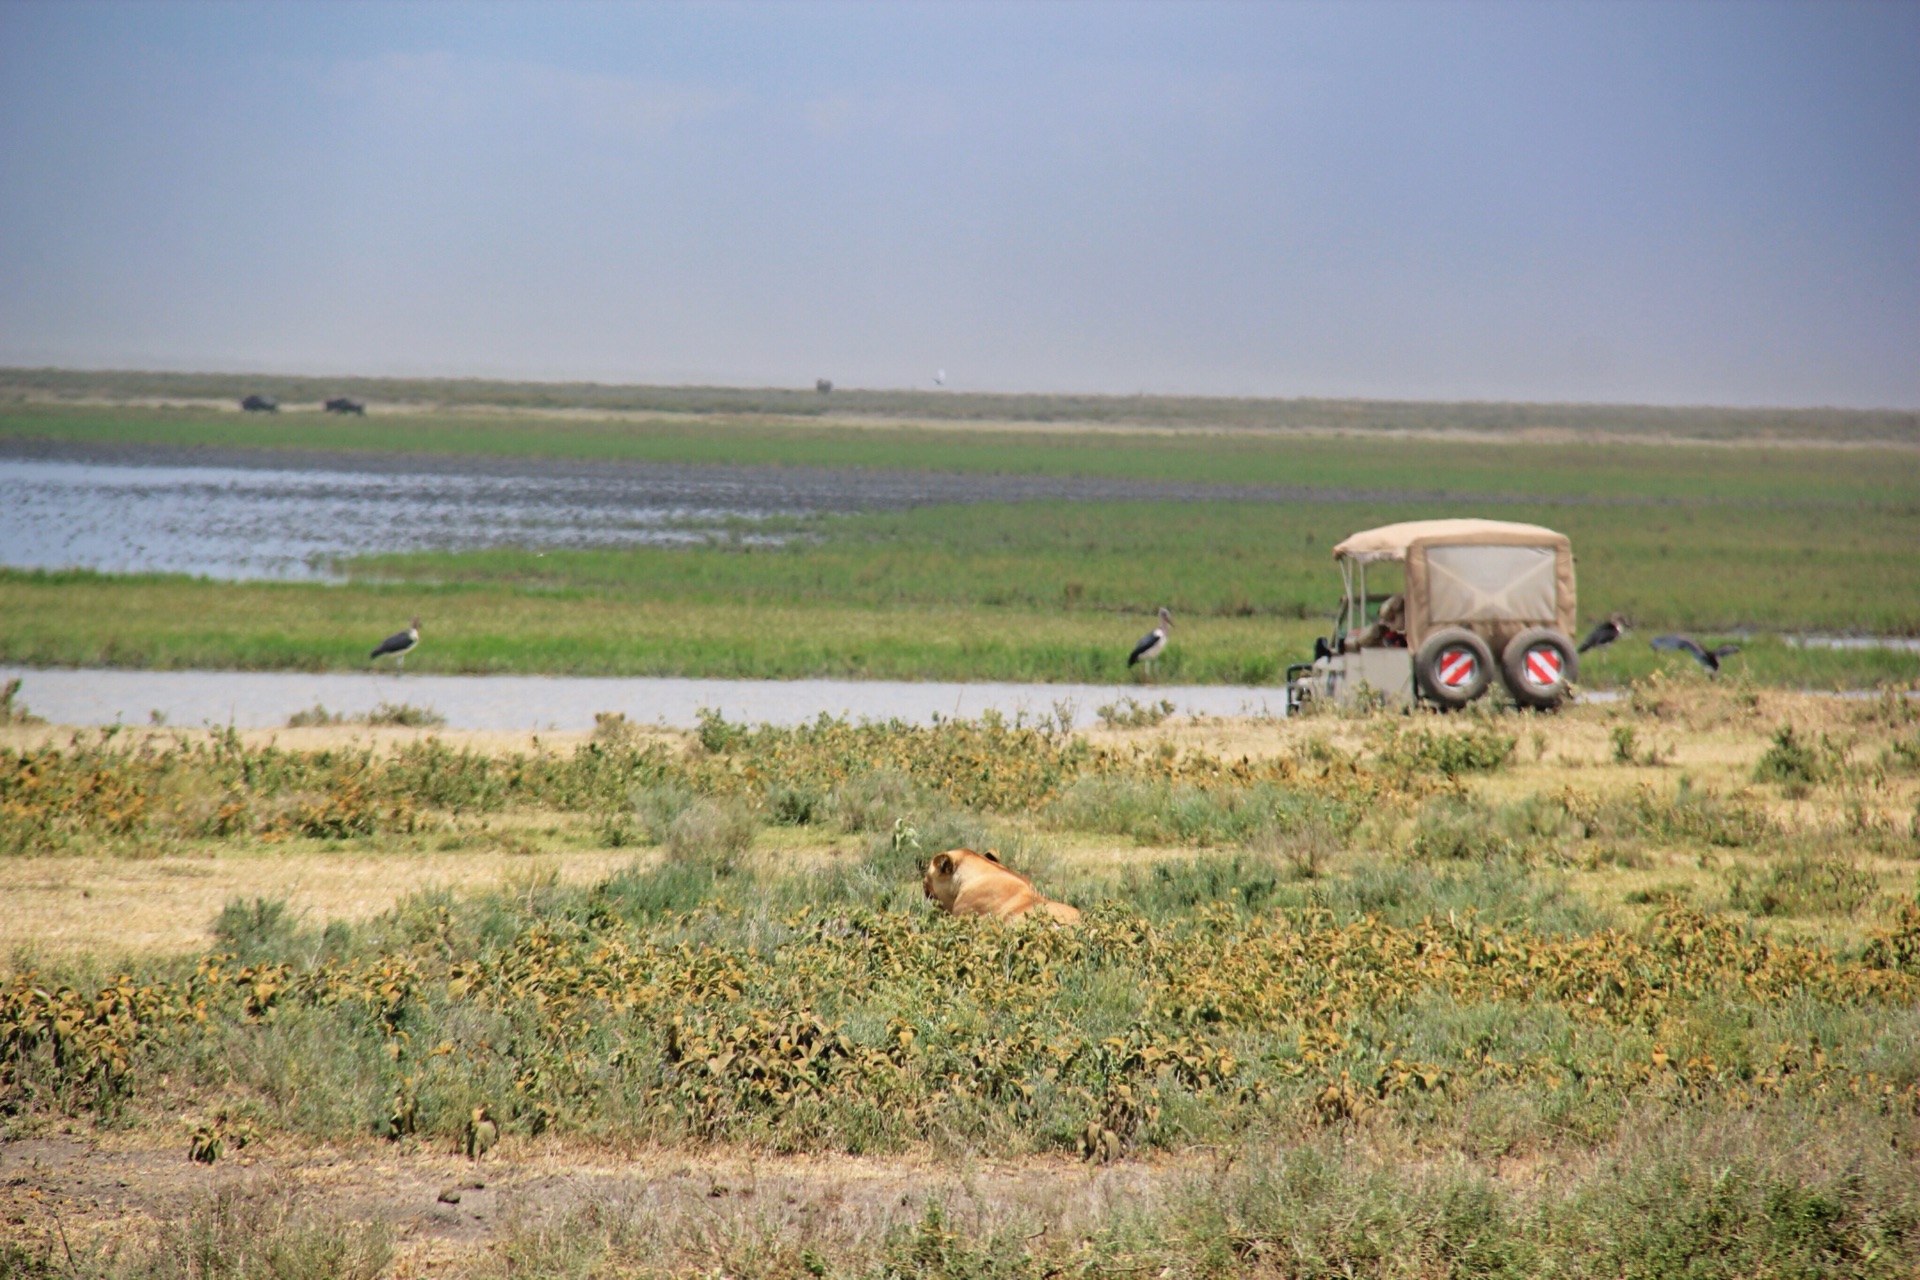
(201, 390)
(1625, 991)
(1718, 539)
(1884, 474)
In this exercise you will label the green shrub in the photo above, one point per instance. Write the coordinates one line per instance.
(716, 735)
(1898, 945)
(1685, 814)
(1451, 829)
(1804, 884)
(1626, 744)
(1412, 752)
(1798, 763)
(12, 710)
(1244, 880)
(250, 929)
(710, 833)
(795, 806)
(402, 715)
(657, 805)
(1131, 714)
(875, 801)
(1159, 812)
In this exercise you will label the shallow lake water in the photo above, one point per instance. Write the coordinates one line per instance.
(266, 699)
(240, 514)
(261, 522)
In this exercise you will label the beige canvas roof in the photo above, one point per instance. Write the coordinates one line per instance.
(1390, 542)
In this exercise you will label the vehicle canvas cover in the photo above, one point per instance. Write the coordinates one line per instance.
(1494, 577)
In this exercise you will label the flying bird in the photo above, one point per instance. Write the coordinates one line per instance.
(400, 643)
(1152, 644)
(1605, 633)
(940, 378)
(1708, 658)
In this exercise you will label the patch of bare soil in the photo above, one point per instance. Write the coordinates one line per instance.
(445, 1209)
(127, 906)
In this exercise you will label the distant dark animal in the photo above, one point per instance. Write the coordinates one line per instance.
(400, 644)
(1605, 633)
(1152, 644)
(1708, 658)
(341, 404)
(260, 404)
(823, 385)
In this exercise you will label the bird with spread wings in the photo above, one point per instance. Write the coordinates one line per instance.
(1708, 658)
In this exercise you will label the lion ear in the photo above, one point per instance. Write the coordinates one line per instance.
(993, 857)
(943, 864)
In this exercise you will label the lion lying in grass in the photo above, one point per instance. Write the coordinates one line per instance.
(966, 883)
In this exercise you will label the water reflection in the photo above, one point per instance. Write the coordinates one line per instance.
(266, 699)
(233, 522)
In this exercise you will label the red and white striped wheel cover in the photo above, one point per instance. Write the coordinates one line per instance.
(1456, 667)
(1543, 665)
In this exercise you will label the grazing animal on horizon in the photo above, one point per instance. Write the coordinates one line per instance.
(1152, 644)
(400, 644)
(1708, 658)
(966, 883)
(260, 404)
(823, 385)
(1605, 633)
(343, 405)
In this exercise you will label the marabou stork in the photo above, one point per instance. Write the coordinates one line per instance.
(400, 644)
(1708, 658)
(1605, 633)
(1152, 644)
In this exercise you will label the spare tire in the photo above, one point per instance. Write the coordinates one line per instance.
(1453, 667)
(1539, 664)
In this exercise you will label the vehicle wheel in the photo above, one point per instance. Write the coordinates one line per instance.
(1539, 664)
(1453, 667)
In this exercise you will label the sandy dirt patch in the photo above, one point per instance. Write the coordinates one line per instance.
(67, 906)
(444, 1210)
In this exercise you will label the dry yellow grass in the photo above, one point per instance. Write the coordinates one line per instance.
(119, 906)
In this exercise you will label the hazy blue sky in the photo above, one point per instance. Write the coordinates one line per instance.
(1669, 202)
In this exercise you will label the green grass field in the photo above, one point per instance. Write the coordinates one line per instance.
(1718, 540)
(1379, 462)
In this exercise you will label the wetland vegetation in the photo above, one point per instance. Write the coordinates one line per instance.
(1722, 540)
(1629, 990)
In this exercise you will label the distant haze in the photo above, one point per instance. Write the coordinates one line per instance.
(1672, 203)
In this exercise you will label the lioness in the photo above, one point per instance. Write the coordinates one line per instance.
(966, 883)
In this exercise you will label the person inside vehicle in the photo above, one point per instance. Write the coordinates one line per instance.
(1389, 630)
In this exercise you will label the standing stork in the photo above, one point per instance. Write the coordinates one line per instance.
(400, 644)
(1152, 644)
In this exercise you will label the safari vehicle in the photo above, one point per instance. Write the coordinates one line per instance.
(1469, 589)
